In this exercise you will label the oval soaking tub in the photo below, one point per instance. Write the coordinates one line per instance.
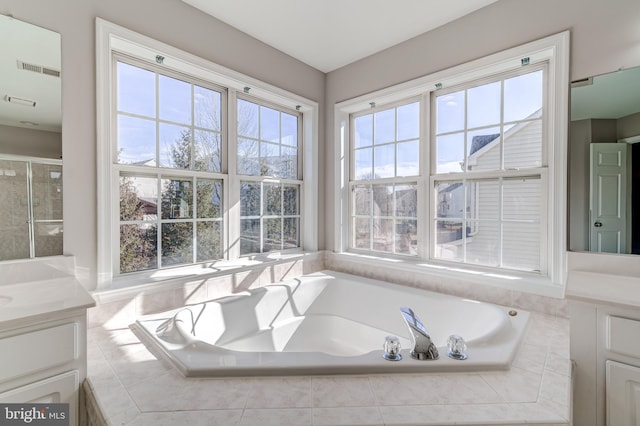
(326, 323)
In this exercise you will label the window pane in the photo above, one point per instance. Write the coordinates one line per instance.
(406, 237)
(288, 163)
(248, 157)
(450, 112)
(272, 235)
(14, 212)
(483, 240)
(450, 153)
(269, 124)
(250, 199)
(362, 199)
(174, 100)
(384, 126)
(136, 141)
(522, 198)
(208, 148)
(289, 129)
(406, 200)
(136, 90)
(451, 199)
(363, 131)
(46, 186)
(363, 163)
(209, 241)
(249, 236)
(138, 247)
(484, 149)
(448, 240)
(408, 159)
(175, 146)
(521, 246)
(362, 233)
(177, 198)
(272, 199)
(290, 235)
(383, 235)
(290, 200)
(209, 198)
(177, 243)
(138, 198)
(247, 119)
(409, 121)
(522, 96)
(385, 160)
(523, 145)
(483, 105)
(207, 105)
(269, 159)
(483, 199)
(383, 200)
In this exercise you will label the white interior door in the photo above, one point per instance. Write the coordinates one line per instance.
(608, 197)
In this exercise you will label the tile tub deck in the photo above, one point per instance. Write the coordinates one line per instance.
(127, 385)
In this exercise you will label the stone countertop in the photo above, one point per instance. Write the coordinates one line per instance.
(36, 300)
(132, 387)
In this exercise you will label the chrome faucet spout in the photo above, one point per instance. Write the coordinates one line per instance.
(423, 347)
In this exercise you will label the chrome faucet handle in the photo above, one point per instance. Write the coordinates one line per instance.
(423, 347)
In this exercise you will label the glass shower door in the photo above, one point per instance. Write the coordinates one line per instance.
(14, 210)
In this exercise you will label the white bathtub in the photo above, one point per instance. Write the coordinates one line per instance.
(326, 323)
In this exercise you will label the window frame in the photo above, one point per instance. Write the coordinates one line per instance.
(111, 40)
(555, 50)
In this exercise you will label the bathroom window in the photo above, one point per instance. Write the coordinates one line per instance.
(385, 147)
(490, 170)
(198, 165)
(462, 172)
(30, 207)
(268, 160)
(173, 127)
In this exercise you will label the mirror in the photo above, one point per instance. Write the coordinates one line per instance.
(30, 141)
(604, 163)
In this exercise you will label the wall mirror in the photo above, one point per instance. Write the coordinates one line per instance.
(30, 141)
(604, 163)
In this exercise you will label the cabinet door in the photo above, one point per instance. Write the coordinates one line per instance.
(623, 394)
(61, 388)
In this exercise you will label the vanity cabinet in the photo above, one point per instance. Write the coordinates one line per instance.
(44, 361)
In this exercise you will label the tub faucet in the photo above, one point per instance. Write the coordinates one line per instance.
(423, 347)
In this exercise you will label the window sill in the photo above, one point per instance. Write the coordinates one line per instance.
(155, 281)
(450, 274)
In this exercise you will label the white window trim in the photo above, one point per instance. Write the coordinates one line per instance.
(114, 38)
(554, 49)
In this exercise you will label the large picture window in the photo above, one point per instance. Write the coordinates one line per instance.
(200, 168)
(461, 173)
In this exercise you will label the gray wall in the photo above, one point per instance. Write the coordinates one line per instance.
(170, 21)
(604, 38)
(30, 142)
(629, 126)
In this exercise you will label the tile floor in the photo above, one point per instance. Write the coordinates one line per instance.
(132, 387)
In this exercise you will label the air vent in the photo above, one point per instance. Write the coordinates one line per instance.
(38, 68)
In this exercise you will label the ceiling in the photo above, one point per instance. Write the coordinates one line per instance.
(33, 45)
(329, 34)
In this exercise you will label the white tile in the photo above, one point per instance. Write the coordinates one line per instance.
(347, 416)
(191, 418)
(515, 385)
(285, 392)
(276, 417)
(347, 391)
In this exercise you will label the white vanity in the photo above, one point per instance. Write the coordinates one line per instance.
(604, 294)
(43, 331)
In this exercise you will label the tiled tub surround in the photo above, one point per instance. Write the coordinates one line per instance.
(129, 385)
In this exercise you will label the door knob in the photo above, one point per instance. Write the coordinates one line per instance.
(598, 224)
